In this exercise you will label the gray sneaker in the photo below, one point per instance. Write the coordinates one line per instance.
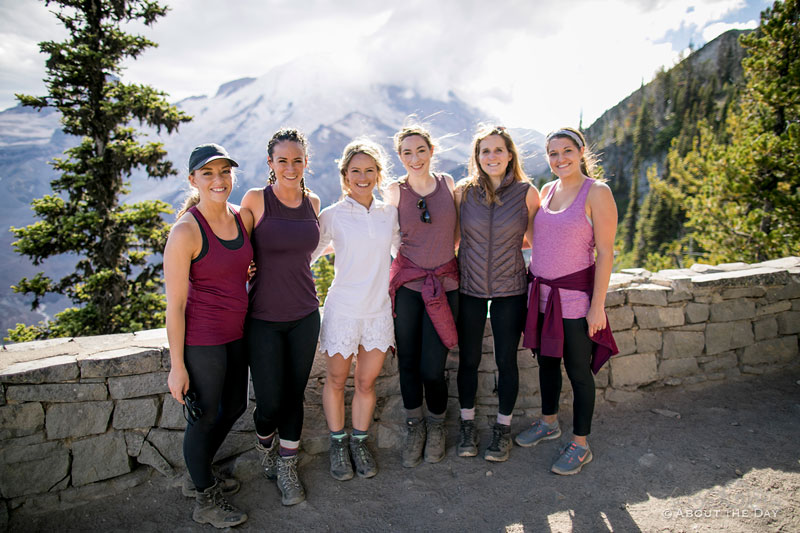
(415, 442)
(211, 507)
(572, 459)
(468, 439)
(341, 466)
(435, 445)
(292, 491)
(362, 457)
(269, 458)
(500, 447)
(227, 485)
(538, 432)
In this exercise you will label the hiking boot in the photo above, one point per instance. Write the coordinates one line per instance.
(540, 431)
(467, 439)
(292, 491)
(572, 459)
(415, 442)
(500, 447)
(435, 447)
(211, 507)
(269, 458)
(227, 485)
(341, 466)
(362, 457)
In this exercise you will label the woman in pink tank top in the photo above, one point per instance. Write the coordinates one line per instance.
(572, 250)
(205, 267)
(424, 291)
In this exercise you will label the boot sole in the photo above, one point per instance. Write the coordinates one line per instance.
(497, 459)
(531, 444)
(410, 464)
(342, 477)
(367, 475)
(468, 453)
(223, 525)
(295, 501)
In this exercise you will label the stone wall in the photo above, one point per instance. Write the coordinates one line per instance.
(85, 417)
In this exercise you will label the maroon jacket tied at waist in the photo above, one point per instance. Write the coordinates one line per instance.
(404, 270)
(549, 339)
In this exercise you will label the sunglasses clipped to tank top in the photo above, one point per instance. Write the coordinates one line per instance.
(424, 216)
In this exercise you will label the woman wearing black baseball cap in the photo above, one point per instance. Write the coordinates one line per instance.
(205, 267)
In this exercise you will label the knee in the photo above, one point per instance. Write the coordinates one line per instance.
(335, 383)
(365, 385)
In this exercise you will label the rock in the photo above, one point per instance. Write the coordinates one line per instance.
(731, 310)
(18, 420)
(633, 370)
(658, 317)
(172, 414)
(680, 344)
(137, 413)
(140, 385)
(620, 318)
(103, 489)
(647, 460)
(134, 440)
(169, 444)
(626, 342)
(648, 294)
(614, 298)
(722, 361)
(66, 420)
(648, 340)
(47, 370)
(668, 368)
(777, 307)
(696, 312)
(57, 392)
(31, 468)
(766, 328)
(782, 349)
(789, 322)
(150, 456)
(98, 458)
(667, 413)
(725, 336)
(121, 362)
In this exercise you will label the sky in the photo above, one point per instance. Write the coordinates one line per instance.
(527, 63)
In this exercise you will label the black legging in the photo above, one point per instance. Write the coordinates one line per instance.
(577, 362)
(218, 377)
(508, 319)
(281, 355)
(421, 356)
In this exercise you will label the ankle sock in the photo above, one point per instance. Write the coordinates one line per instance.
(436, 418)
(266, 442)
(289, 447)
(468, 414)
(504, 420)
(359, 435)
(338, 435)
(414, 413)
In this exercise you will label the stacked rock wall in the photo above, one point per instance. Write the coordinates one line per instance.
(85, 417)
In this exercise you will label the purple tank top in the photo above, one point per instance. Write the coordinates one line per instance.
(216, 304)
(563, 243)
(427, 245)
(283, 240)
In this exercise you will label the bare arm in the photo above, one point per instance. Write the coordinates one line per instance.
(324, 247)
(254, 201)
(183, 244)
(532, 203)
(603, 211)
(315, 202)
(391, 194)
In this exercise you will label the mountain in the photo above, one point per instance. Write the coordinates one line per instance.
(330, 109)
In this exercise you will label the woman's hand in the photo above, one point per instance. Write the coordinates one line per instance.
(596, 319)
(178, 382)
(251, 270)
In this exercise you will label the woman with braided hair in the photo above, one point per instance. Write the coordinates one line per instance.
(283, 318)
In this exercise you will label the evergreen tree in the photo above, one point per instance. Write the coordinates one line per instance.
(743, 194)
(642, 145)
(323, 276)
(116, 285)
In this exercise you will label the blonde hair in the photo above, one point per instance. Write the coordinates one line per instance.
(193, 195)
(589, 160)
(477, 177)
(367, 147)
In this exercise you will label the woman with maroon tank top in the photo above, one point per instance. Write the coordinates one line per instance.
(571, 260)
(424, 291)
(496, 204)
(283, 321)
(205, 267)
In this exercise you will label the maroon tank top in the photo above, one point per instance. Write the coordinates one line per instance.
(283, 240)
(427, 245)
(216, 305)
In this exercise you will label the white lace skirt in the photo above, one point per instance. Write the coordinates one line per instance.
(343, 334)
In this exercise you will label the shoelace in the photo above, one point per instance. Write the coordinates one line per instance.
(340, 449)
(268, 459)
(467, 431)
(289, 471)
(497, 436)
(222, 503)
(363, 454)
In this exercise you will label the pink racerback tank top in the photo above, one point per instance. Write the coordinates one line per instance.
(563, 243)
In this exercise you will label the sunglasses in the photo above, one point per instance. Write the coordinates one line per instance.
(424, 216)
(191, 410)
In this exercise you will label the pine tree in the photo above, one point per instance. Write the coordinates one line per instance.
(742, 194)
(642, 145)
(323, 276)
(116, 283)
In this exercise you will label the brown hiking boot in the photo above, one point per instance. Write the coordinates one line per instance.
(211, 507)
(415, 442)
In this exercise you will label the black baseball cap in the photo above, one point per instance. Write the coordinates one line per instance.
(208, 152)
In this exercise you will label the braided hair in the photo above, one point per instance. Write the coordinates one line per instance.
(287, 134)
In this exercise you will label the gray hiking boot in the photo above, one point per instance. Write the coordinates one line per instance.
(341, 467)
(269, 458)
(362, 457)
(435, 445)
(540, 431)
(500, 447)
(415, 442)
(211, 507)
(572, 459)
(468, 439)
(292, 491)
(228, 486)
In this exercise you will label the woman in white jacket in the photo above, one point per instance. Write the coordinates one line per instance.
(357, 317)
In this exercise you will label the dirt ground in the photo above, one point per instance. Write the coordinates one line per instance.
(714, 457)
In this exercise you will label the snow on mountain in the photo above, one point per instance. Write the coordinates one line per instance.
(329, 106)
